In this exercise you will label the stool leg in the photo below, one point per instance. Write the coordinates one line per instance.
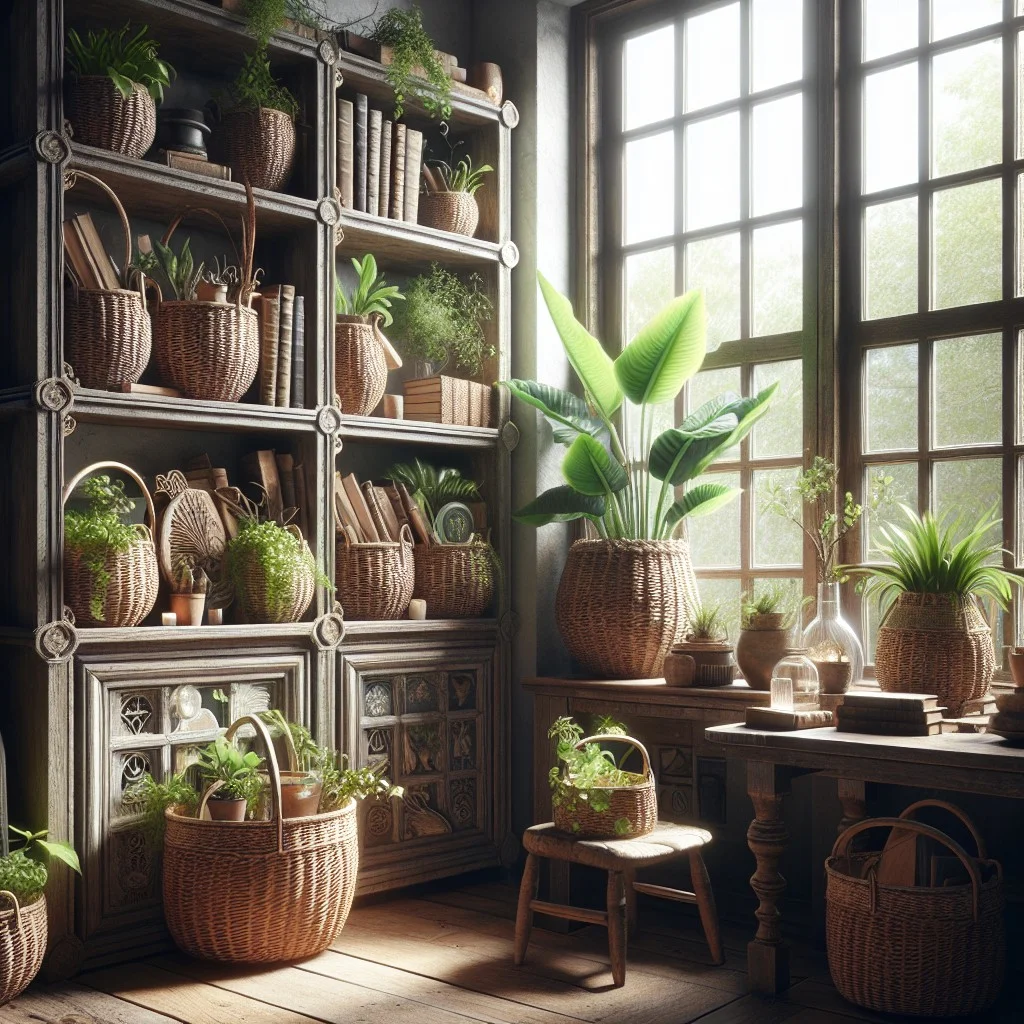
(617, 927)
(524, 915)
(631, 915)
(706, 905)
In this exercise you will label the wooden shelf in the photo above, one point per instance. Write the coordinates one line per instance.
(377, 429)
(162, 636)
(395, 241)
(364, 629)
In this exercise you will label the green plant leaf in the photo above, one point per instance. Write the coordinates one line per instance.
(64, 852)
(123, 84)
(676, 451)
(589, 468)
(666, 352)
(560, 505)
(592, 364)
(701, 500)
(567, 413)
(747, 412)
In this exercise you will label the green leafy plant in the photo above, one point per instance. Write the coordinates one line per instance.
(372, 294)
(932, 555)
(239, 772)
(432, 488)
(100, 530)
(463, 177)
(442, 319)
(178, 269)
(21, 871)
(707, 624)
(607, 481)
(126, 59)
(153, 798)
(775, 599)
(412, 57)
(255, 86)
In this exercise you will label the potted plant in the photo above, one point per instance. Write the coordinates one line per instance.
(449, 203)
(154, 798)
(23, 930)
(413, 67)
(705, 657)
(232, 780)
(116, 82)
(623, 599)
(767, 621)
(933, 637)
(188, 599)
(362, 355)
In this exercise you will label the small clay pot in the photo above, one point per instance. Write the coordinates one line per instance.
(300, 794)
(207, 292)
(712, 661)
(833, 676)
(188, 609)
(680, 668)
(759, 649)
(1017, 666)
(226, 809)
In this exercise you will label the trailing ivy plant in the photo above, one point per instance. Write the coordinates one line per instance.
(126, 59)
(153, 798)
(372, 293)
(413, 51)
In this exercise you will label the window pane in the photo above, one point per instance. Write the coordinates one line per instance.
(968, 392)
(713, 171)
(777, 53)
(890, 258)
(650, 284)
(725, 594)
(650, 187)
(777, 541)
(778, 275)
(890, 128)
(713, 57)
(710, 384)
(967, 108)
(1020, 108)
(966, 239)
(971, 489)
(781, 431)
(777, 174)
(649, 72)
(713, 264)
(715, 539)
(898, 482)
(889, 26)
(951, 17)
(890, 398)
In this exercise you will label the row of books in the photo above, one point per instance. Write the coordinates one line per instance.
(282, 317)
(889, 714)
(379, 162)
(368, 514)
(87, 256)
(448, 400)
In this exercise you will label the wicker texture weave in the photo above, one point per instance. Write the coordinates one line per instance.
(259, 145)
(921, 951)
(375, 581)
(254, 601)
(360, 369)
(100, 116)
(22, 944)
(259, 891)
(936, 643)
(635, 805)
(457, 212)
(108, 337)
(622, 605)
(456, 580)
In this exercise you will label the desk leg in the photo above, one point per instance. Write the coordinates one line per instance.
(767, 955)
(854, 801)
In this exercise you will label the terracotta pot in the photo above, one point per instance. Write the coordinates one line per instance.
(833, 676)
(679, 669)
(300, 794)
(226, 809)
(207, 292)
(1017, 666)
(712, 662)
(188, 608)
(759, 650)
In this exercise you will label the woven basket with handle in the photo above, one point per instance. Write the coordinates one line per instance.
(259, 891)
(923, 951)
(375, 581)
(457, 212)
(107, 333)
(360, 368)
(456, 580)
(259, 145)
(256, 603)
(632, 810)
(100, 116)
(133, 575)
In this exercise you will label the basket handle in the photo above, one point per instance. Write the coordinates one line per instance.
(15, 905)
(615, 738)
(957, 813)
(5, 842)
(71, 179)
(89, 470)
(405, 536)
(272, 769)
(842, 844)
(214, 787)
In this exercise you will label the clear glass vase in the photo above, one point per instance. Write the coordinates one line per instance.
(832, 644)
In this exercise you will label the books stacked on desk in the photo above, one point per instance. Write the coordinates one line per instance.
(890, 714)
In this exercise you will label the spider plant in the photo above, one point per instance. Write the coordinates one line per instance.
(372, 294)
(432, 488)
(463, 177)
(124, 58)
(707, 624)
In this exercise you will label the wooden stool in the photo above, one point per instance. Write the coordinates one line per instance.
(621, 858)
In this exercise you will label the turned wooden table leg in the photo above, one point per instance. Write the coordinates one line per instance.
(767, 955)
(852, 797)
(524, 915)
(617, 926)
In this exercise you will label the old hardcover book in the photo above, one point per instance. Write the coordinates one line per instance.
(86, 275)
(853, 713)
(398, 173)
(194, 165)
(420, 527)
(381, 513)
(284, 351)
(345, 516)
(360, 149)
(345, 152)
(302, 517)
(784, 721)
(397, 506)
(889, 728)
(384, 195)
(360, 508)
(270, 331)
(413, 163)
(97, 251)
(286, 474)
(881, 699)
(261, 468)
(373, 161)
(299, 353)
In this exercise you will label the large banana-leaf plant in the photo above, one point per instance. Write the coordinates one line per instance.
(643, 490)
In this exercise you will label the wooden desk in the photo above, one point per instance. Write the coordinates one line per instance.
(965, 762)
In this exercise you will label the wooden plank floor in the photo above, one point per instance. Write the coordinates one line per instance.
(446, 958)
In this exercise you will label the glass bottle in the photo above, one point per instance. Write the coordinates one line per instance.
(832, 644)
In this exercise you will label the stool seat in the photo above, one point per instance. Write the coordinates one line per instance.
(665, 843)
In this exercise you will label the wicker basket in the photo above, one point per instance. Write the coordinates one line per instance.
(936, 643)
(259, 891)
(101, 116)
(375, 581)
(108, 334)
(622, 605)
(360, 367)
(254, 602)
(926, 952)
(133, 575)
(636, 805)
(456, 580)
(457, 212)
(259, 145)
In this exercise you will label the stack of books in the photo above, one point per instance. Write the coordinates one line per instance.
(281, 482)
(282, 377)
(87, 256)
(447, 400)
(194, 164)
(368, 514)
(379, 162)
(890, 714)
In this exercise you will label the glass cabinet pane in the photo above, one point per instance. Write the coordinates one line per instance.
(713, 171)
(890, 128)
(777, 174)
(713, 265)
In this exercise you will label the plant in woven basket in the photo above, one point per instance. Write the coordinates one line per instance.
(238, 771)
(152, 798)
(442, 320)
(413, 56)
(178, 269)
(460, 177)
(124, 58)
(432, 488)
(707, 624)
(21, 871)
(372, 294)
(255, 86)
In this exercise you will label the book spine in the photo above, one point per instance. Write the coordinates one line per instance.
(890, 728)
(413, 163)
(384, 196)
(373, 162)
(361, 128)
(888, 714)
(299, 353)
(398, 173)
(194, 165)
(270, 307)
(286, 474)
(75, 254)
(98, 252)
(284, 353)
(890, 703)
(302, 519)
(345, 144)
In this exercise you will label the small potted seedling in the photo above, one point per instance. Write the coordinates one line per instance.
(767, 621)
(705, 657)
(189, 598)
(232, 780)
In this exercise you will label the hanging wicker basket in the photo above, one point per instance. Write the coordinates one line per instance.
(259, 891)
(360, 366)
(456, 580)
(259, 145)
(133, 577)
(921, 951)
(936, 643)
(457, 212)
(631, 811)
(256, 603)
(622, 605)
(375, 581)
(100, 116)
(108, 337)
